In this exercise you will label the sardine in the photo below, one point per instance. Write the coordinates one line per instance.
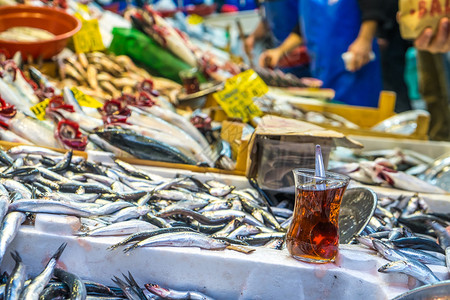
(143, 147)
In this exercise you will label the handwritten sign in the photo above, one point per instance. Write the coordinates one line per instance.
(236, 98)
(89, 38)
(85, 100)
(39, 109)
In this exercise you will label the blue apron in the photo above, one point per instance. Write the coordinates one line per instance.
(329, 27)
(281, 17)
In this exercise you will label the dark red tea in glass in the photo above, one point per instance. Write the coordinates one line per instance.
(314, 233)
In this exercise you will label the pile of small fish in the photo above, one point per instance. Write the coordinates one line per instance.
(26, 34)
(151, 23)
(278, 106)
(140, 124)
(405, 233)
(56, 283)
(398, 168)
(278, 78)
(123, 200)
(106, 76)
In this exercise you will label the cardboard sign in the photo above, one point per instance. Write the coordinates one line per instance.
(416, 15)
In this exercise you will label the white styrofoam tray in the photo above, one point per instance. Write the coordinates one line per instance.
(264, 274)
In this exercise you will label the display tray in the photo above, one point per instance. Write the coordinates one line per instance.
(365, 117)
(106, 156)
(264, 274)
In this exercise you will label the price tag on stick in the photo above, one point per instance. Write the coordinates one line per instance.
(85, 100)
(236, 98)
(39, 109)
(89, 38)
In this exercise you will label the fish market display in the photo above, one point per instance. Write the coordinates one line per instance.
(280, 79)
(155, 26)
(401, 169)
(138, 124)
(56, 283)
(404, 232)
(284, 108)
(147, 209)
(106, 76)
(26, 34)
(403, 123)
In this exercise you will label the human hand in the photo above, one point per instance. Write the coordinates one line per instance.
(361, 49)
(439, 43)
(249, 43)
(270, 58)
(383, 43)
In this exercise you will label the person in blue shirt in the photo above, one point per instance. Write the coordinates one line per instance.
(278, 19)
(330, 28)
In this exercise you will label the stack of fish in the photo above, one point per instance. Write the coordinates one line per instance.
(56, 283)
(140, 124)
(405, 233)
(151, 211)
(123, 200)
(398, 168)
(169, 37)
(282, 107)
(106, 76)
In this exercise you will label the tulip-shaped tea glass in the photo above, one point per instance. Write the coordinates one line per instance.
(314, 233)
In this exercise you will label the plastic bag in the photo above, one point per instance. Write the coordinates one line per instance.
(145, 50)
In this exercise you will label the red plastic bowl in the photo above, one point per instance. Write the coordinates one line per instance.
(54, 20)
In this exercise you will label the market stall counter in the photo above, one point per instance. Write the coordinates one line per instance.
(263, 274)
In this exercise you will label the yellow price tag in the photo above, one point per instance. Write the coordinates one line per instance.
(236, 98)
(89, 38)
(39, 109)
(85, 100)
(83, 7)
(194, 19)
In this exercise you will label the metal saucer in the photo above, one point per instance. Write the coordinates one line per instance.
(357, 207)
(435, 291)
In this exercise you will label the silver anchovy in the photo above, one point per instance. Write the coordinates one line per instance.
(37, 285)
(412, 268)
(10, 227)
(422, 256)
(229, 213)
(120, 228)
(128, 213)
(51, 207)
(182, 239)
(175, 295)
(16, 281)
(75, 284)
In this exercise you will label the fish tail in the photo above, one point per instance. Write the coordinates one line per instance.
(60, 250)
(129, 248)
(16, 256)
